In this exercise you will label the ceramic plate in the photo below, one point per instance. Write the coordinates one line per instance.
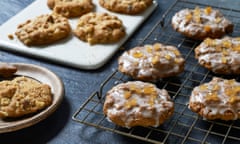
(44, 76)
(72, 51)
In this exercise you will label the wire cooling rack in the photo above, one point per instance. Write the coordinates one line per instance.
(184, 126)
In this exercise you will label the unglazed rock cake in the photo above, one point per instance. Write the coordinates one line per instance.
(126, 6)
(99, 28)
(71, 8)
(22, 96)
(44, 29)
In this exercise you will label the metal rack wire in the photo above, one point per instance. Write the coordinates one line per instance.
(184, 126)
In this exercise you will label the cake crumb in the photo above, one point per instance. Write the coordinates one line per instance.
(10, 36)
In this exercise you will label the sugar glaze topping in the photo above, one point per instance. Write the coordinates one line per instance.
(220, 54)
(218, 96)
(139, 98)
(155, 61)
(200, 20)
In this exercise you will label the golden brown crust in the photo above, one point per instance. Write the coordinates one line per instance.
(71, 8)
(200, 23)
(126, 6)
(220, 56)
(137, 104)
(23, 96)
(151, 62)
(7, 70)
(44, 29)
(51, 3)
(99, 28)
(218, 99)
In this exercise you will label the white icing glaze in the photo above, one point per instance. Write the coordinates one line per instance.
(215, 53)
(182, 24)
(223, 104)
(161, 105)
(143, 65)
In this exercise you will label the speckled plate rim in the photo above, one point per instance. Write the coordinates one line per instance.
(43, 75)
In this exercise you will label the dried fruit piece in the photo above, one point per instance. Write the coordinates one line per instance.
(157, 46)
(236, 48)
(176, 52)
(168, 57)
(224, 60)
(188, 17)
(218, 20)
(149, 49)
(212, 97)
(155, 59)
(137, 54)
(203, 87)
(197, 14)
(227, 44)
(207, 28)
(127, 94)
(131, 103)
(208, 10)
(148, 90)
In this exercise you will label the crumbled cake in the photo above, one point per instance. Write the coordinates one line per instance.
(22, 96)
(7, 70)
